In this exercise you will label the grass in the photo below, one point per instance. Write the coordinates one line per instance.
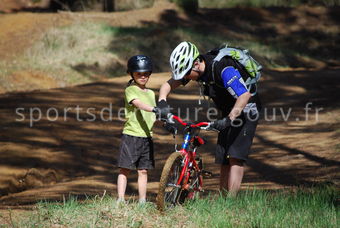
(264, 3)
(73, 48)
(306, 207)
(255, 208)
(132, 4)
(270, 55)
(71, 55)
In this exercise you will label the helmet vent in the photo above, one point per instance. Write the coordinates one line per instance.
(182, 59)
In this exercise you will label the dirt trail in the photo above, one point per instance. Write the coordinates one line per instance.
(73, 155)
(20, 30)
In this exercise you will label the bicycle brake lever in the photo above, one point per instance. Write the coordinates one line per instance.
(170, 118)
(209, 128)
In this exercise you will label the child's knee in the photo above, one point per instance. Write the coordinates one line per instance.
(142, 171)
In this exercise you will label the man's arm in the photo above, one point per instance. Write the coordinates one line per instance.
(241, 102)
(235, 85)
(166, 88)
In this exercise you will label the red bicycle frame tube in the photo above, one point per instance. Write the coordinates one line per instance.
(189, 156)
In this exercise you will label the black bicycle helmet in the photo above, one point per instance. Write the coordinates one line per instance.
(139, 63)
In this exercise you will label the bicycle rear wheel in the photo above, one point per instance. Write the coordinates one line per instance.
(169, 193)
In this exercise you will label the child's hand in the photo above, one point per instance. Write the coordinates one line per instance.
(162, 109)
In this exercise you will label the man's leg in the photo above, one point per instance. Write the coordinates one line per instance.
(224, 177)
(142, 184)
(122, 182)
(235, 175)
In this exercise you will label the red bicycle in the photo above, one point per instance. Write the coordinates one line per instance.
(182, 175)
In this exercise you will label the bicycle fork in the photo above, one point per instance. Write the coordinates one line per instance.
(190, 178)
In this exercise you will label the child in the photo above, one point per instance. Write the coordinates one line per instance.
(136, 149)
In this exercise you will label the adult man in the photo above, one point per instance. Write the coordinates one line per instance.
(225, 84)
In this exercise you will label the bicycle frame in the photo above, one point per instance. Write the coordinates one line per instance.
(190, 153)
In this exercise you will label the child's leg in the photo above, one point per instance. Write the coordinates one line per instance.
(142, 183)
(122, 182)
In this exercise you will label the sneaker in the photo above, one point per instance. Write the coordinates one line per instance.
(142, 201)
(120, 202)
(142, 204)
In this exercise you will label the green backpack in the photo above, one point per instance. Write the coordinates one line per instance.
(244, 59)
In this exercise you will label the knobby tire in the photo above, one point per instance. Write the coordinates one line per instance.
(169, 171)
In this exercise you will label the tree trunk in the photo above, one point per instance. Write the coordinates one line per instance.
(109, 5)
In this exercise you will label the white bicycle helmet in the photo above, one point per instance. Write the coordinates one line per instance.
(182, 59)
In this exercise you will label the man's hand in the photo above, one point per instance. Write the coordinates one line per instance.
(222, 124)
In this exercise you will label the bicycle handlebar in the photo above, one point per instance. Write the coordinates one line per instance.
(198, 125)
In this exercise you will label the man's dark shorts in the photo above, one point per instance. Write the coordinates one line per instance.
(235, 142)
(136, 153)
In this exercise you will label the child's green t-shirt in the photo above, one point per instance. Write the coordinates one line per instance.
(139, 122)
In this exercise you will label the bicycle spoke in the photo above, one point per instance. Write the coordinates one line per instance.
(172, 189)
(171, 197)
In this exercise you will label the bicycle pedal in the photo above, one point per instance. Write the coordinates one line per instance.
(206, 173)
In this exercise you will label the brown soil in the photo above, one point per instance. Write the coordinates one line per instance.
(55, 159)
(20, 30)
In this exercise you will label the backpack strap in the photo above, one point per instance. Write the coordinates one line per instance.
(244, 59)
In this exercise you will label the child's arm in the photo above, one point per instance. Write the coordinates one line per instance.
(138, 104)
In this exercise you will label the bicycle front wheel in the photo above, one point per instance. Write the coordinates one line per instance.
(169, 192)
